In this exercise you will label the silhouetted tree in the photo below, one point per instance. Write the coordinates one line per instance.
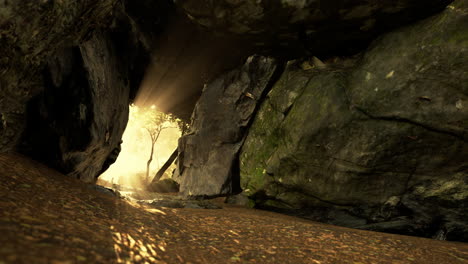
(154, 123)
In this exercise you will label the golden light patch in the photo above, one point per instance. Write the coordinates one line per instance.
(130, 166)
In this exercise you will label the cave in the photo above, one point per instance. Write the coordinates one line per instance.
(200, 131)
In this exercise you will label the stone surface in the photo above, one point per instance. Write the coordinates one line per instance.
(238, 199)
(78, 88)
(30, 32)
(325, 27)
(77, 122)
(164, 186)
(207, 163)
(380, 138)
(104, 190)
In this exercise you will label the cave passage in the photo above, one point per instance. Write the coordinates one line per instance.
(233, 131)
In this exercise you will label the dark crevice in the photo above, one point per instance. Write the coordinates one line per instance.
(368, 170)
(411, 122)
(262, 197)
(281, 66)
(57, 117)
(292, 188)
(232, 184)
(287, 110)
(408, 180)
(235, 169)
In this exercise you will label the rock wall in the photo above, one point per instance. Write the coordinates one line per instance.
(30, 32)
(291, 27)
(73, 70)
(378, 141)
(208, 154)
(78, 120)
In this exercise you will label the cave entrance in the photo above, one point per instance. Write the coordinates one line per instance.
(150, 138)
(174, 69)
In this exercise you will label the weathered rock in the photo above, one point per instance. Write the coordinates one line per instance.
(164, 186)
(77, 123)
(238, 199)
(81, 85)
(207, 161)
(384, 140)
(30, 32)
(327, 27)
(104, 190)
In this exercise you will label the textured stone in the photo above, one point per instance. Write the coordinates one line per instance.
(238, 199)
(164, 186)
(78, 88)
(77, 122)
(383, 138)
(324, 27)
(207, 161)
(30, 32)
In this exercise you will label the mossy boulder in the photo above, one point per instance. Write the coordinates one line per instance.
(354, 134)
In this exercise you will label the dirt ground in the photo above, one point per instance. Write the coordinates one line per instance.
(46, 217)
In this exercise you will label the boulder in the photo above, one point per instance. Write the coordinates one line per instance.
(238, 199)
(208, 163)
(382, 137)
(323, 27)
(164, 186)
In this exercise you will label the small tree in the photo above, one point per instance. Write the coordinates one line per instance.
(154, 122)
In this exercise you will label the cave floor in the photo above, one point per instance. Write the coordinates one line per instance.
(48, 218)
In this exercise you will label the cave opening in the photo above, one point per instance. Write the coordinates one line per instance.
(183, 61)
(149, 140)
(202, 131)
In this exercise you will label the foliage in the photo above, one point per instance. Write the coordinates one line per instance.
(153, 122)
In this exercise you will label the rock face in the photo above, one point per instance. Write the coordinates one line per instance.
(78, 120)
(325, 27)
(76, 66)
(208, 155)
(30, 32)
(54, 83)
(378, 142)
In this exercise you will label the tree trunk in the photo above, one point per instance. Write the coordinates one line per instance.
(165, 166)
(149, 162)
(154, 138)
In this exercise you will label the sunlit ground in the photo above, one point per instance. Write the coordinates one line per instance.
(130, 167)
(130, 250)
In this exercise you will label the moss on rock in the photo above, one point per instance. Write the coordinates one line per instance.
(393, 124)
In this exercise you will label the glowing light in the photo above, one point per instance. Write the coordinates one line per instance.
(130, 167)
(154, 210)
(131, 249)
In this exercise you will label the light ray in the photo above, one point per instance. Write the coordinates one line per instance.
(130, 166)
